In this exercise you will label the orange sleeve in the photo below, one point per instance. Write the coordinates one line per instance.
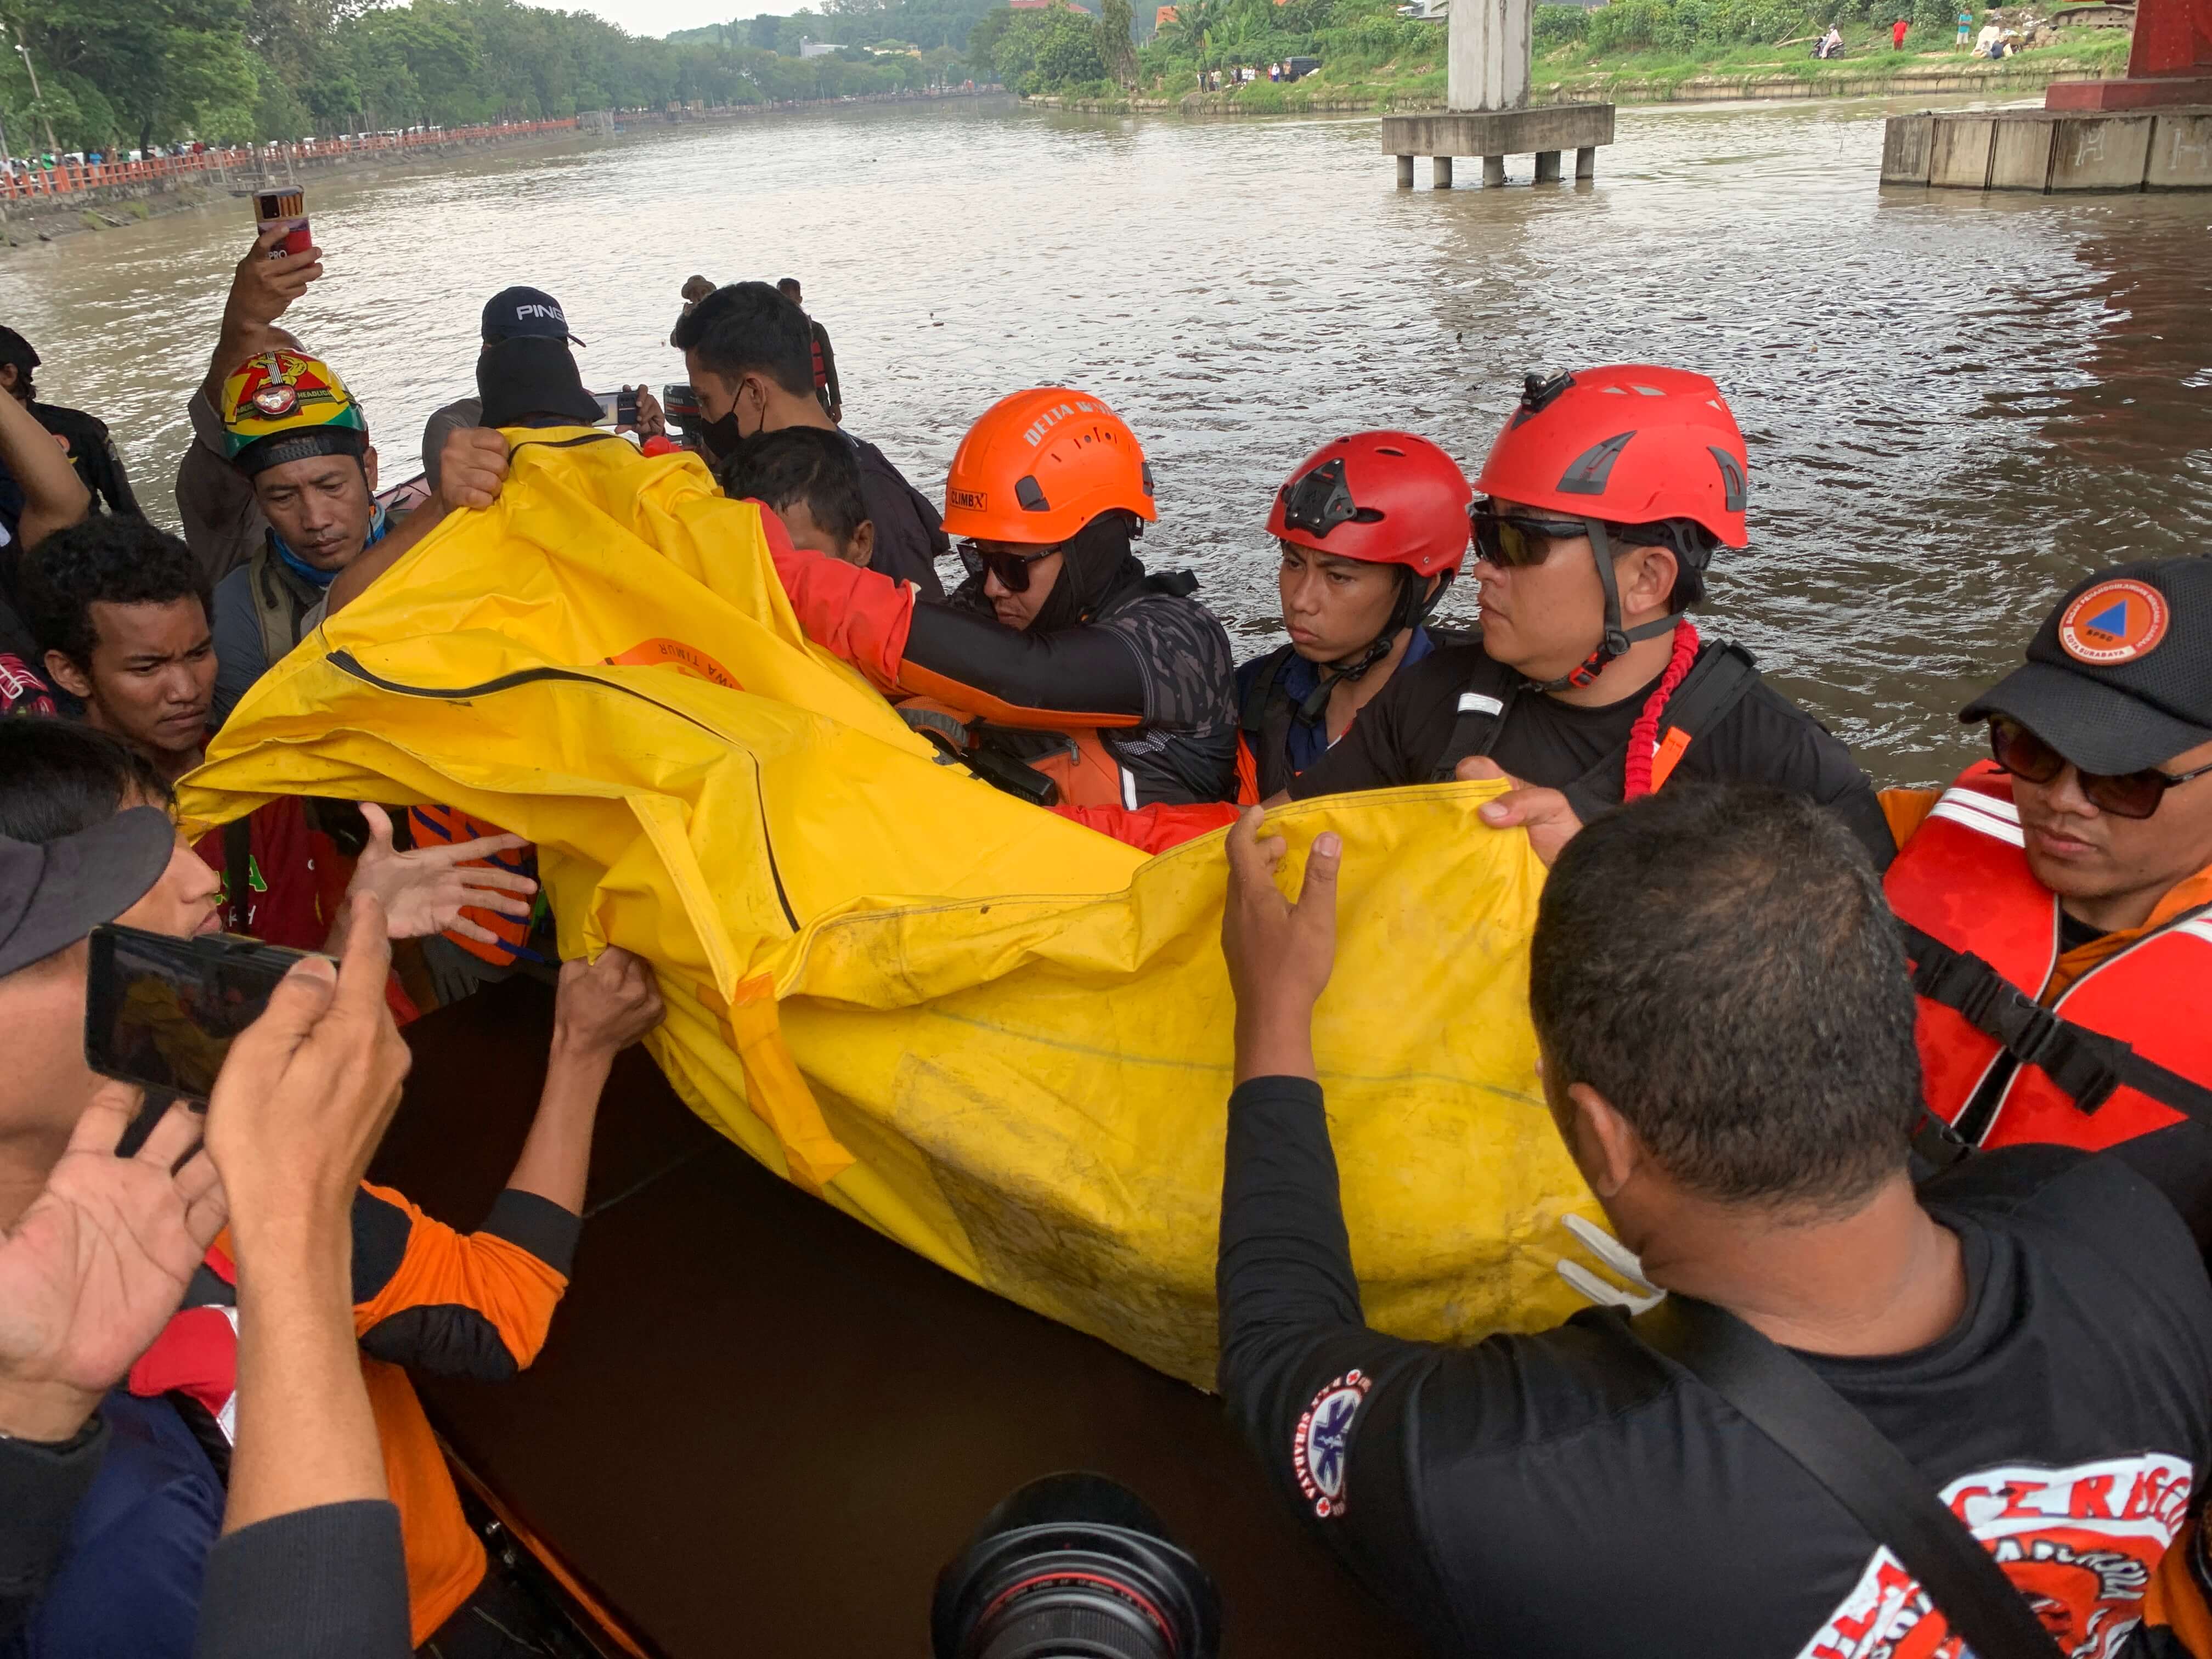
(1906, 810)
(2175, 1606)
(468, 1304)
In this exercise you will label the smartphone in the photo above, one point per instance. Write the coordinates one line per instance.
(626, 407)
(162, 1011)
(287, 209)
(610, 406)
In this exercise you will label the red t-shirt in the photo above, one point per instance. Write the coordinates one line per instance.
(296, 877)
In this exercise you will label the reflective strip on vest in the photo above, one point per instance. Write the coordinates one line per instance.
(1983, 813)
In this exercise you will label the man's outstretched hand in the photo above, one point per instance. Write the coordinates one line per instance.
(1279, 954)
(425, 891)
(1544, 814)
(98, 1263)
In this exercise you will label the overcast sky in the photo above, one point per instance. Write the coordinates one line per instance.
(661, 16)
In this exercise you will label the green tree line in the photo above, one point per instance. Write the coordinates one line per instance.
(121, 75)
(1059, 51)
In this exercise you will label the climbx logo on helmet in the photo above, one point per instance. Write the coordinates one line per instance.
(286, 406)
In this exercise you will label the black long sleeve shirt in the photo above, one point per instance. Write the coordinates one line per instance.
(1572, 1494)
(327, 1582)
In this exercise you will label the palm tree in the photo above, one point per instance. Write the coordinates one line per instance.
(1192, 29)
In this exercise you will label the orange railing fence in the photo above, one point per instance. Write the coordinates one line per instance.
(246, 162)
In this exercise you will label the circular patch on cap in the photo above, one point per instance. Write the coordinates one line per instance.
(2114, 623)
(275, 399)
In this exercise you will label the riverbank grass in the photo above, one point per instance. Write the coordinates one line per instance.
(1409, 73)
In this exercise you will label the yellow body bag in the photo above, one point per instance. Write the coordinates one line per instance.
(998, 1037)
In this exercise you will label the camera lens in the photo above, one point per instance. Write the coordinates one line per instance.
(1074, 1566)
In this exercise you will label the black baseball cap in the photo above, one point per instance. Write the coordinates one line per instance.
(2119, 677)
(525, 314)
(53, 893)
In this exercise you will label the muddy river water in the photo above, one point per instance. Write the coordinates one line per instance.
(1955, 404)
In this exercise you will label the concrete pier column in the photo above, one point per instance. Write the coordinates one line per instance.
(1494, 172)
(1486, 55)
(1586, 163)
(1442, 165)
(1405, 172)
(1548, 166)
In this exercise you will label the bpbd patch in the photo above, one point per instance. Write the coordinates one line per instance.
(2114, 623)
(1318, 1449)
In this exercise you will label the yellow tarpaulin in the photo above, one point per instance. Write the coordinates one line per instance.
(1000, 1039)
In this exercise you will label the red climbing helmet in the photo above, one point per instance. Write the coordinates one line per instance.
(1380, 497)
(1631, 443)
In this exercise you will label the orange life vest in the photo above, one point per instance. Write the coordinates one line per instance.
(2108, 1059)
(446, 826)
(1077, 764)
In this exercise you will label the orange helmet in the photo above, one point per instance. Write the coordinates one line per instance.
(1042, 463)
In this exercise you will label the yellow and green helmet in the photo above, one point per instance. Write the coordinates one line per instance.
(286, 406)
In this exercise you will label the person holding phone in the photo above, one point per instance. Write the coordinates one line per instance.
(468, 1304)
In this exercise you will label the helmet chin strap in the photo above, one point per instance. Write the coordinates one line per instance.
(1413, 607)
(1616, 639)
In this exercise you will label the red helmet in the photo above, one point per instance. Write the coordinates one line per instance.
(1382, 497)
(1631, 443)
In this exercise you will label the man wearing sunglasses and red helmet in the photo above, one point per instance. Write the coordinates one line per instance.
(1061, 670)
(1602, 500)
(2058, 897)
(1372, 529)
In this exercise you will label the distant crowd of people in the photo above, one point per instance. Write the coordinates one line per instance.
(1897, 1101)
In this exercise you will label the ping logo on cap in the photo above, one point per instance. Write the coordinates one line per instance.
(2114, 623)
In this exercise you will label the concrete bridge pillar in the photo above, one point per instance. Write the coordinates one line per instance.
(1489, 115)
(1488, 54)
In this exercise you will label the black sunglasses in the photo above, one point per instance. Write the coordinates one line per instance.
(1012, 569)
(2123, 794)
(1515, 541)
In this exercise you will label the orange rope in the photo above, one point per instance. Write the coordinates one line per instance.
(1643, 737)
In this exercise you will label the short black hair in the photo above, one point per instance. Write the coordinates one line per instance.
(801, 464)
(58, 777)
(1719, 962)
(17, 352)
(748, 328)
(117, 558)
(1690, 544)
(788, 285)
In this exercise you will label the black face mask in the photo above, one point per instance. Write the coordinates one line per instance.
(722, 438)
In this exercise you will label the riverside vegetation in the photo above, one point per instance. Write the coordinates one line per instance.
(117, 77)
(1372, 56)
(112, 75)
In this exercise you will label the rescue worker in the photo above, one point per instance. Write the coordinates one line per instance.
(2058, 897)
(1373, 529)
(295, 433)
(1061, 669)
(1603, 500)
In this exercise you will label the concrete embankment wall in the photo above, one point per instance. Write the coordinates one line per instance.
(50, 202)
(1938, 81)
